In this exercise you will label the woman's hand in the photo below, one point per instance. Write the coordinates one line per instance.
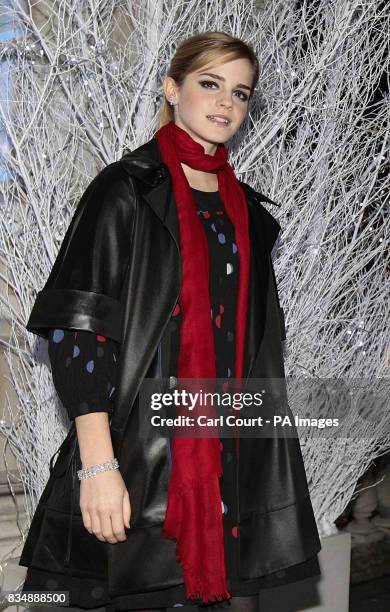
(105, 506)
(104, 499)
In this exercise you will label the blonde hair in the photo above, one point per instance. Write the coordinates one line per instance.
(202, 49)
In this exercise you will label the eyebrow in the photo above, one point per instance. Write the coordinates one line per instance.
(216, 76)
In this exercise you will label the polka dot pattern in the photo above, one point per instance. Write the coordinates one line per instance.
(176, 310)
(83, 364)
(58, 335)
(111, 392)
(205, 214)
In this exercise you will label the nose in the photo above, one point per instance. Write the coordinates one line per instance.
(226, 101)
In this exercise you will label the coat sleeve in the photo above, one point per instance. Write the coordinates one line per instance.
(83, 290)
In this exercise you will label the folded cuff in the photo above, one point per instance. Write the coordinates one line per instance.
(76, 309)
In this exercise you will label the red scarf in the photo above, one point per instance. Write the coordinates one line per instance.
(194, 517)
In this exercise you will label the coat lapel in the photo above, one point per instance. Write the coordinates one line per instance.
(154, 183)
(161, 200)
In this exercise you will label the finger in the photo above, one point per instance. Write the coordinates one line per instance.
(87, 521)
(107, 532)
(118, 527)
(126, 509)
(96, 526)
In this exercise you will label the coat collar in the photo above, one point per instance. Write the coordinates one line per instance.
(154, 182)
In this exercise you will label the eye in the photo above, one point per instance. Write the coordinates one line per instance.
(245, 96)
(204, 84)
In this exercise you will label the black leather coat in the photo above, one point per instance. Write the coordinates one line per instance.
(118, 273)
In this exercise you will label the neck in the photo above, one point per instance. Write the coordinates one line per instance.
(204, 181)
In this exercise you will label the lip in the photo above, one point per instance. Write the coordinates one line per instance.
(222, 117)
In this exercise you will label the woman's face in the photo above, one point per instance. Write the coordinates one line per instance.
(224, 90)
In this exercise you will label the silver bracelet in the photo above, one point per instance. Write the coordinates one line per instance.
(96, 469)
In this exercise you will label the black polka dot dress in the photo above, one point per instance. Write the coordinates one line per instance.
(83, 366)
(223, 286)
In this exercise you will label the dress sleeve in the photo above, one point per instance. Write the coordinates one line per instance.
(84, 368)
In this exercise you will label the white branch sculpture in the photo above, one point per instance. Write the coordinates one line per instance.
(86, 84)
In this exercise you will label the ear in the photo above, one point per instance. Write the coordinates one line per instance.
(170, 87)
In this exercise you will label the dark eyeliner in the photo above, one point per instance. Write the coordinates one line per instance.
(245, 99)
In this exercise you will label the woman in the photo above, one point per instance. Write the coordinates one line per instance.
(160, 241)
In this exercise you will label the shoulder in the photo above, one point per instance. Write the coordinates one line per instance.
(110, 179)
(257, 195)
(110, 192)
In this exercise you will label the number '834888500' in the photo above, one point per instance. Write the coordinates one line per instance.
(38, 598)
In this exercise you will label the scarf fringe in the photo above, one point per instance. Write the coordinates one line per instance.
(207, 587)
(199, 592)
(201, 595)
